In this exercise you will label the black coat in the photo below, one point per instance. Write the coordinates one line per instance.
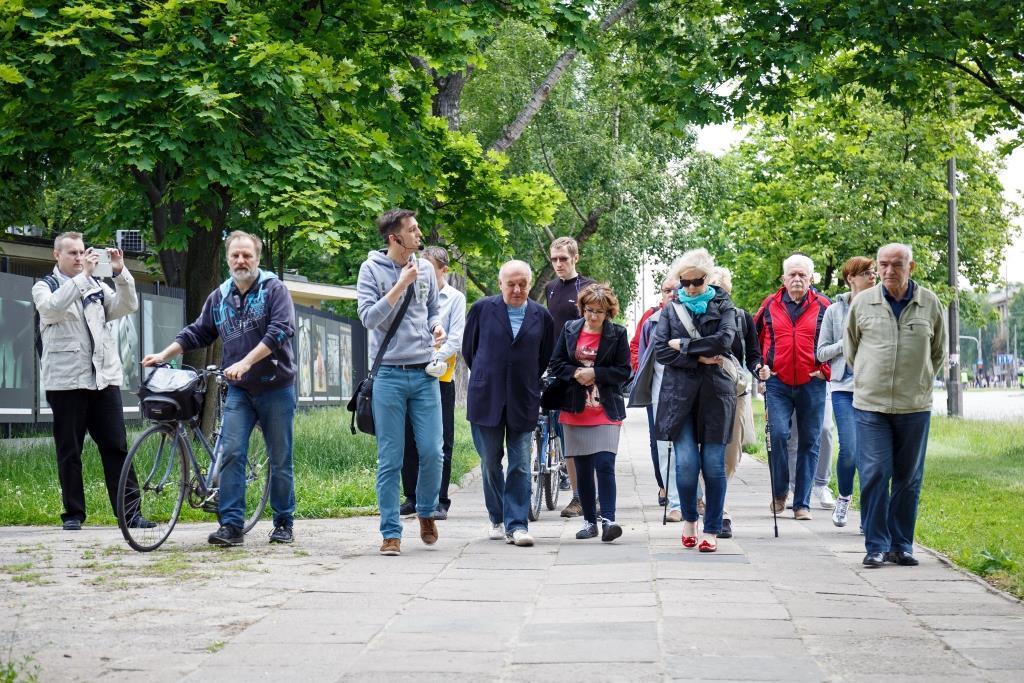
(504, 379)
(691, 390)
(611, 368)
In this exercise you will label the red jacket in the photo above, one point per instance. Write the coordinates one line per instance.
(634, 344)
(788, 347)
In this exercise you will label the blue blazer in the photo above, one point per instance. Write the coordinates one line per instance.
(504, 380)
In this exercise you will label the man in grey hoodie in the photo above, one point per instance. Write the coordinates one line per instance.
(403, 385)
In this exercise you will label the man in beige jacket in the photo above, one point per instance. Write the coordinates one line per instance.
(896, 341)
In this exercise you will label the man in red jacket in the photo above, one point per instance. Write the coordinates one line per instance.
(788, 324)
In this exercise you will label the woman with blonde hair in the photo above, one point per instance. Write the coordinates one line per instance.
(698, 397)
(591, 358)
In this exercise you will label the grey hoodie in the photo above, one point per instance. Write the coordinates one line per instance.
(413, 343)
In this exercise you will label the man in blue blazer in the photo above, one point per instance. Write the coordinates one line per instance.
(507, 344)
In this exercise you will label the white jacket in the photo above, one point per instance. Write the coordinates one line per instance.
(79, 338)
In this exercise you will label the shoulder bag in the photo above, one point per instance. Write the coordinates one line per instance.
(361, 403)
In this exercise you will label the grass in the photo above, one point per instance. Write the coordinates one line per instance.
(335, 473)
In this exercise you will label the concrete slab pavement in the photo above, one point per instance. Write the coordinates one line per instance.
(800, 607)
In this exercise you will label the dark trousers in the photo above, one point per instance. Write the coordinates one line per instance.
(99, 413)
(604, 464)
(655, 458)
(411, 462)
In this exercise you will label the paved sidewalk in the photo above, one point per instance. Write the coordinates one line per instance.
(84, 607)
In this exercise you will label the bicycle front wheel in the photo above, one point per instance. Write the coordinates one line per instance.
(152, 486)
(556, 470)
(536, 476)
(257, 479)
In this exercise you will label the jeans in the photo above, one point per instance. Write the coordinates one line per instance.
(507, 497)
(890, 448)
(659, 470)
(693, 460)
(846, 463)
(808, 401)
(275, 412)
(823, 471)
(603, 463)
(411, 461)
(398, 392)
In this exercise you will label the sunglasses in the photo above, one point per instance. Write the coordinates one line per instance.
(696, 282)
(559, 259)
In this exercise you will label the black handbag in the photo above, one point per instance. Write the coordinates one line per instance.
(552, 392)
(361, 403)
(167, 394)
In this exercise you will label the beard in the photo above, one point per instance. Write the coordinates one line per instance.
(243, 276)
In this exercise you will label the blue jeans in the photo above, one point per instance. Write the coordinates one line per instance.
(890, 448)
(275, 412)
(603, 463)
(655, 456)
(507, 497)
(399, 392)
(808, 400)
(692, 460)
(846, 463)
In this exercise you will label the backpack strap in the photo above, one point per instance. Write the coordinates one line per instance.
(54, 285)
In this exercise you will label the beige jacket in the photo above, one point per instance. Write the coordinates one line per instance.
(79, 338)
(895, 362)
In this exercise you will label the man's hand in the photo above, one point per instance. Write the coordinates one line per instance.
(764, 372)
(237, 370)
(408, 275)
(439, 335)
(818, 374)
(90, 261)
(710, 360)
(584, 376)
(674, 344)
(153, 359)
(116, 261)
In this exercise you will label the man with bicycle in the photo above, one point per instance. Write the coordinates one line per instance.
(253, 314)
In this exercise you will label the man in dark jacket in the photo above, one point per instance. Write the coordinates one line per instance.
(788, 324)
(507, 344)
(254, 317)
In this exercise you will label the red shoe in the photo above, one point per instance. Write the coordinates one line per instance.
(689, 541)
(707, 546)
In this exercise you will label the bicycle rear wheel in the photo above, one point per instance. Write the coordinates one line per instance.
(152, 486)
(556, 470)
(536, 476)
(257, 479)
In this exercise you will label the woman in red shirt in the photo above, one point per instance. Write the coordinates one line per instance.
(591, 358)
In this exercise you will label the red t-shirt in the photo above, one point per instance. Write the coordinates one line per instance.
(592, 414)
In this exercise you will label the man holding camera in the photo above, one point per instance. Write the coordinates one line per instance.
(81, 366)
(253, 314)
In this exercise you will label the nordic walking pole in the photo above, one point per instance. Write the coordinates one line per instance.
(668, 467)
(771, 475)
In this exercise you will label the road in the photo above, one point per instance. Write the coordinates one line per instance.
(987, 404)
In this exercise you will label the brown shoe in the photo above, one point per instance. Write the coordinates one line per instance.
(573, 509)
(428, 530)
(674, 516)
(779, 504)
(801, 513)
(391, 546)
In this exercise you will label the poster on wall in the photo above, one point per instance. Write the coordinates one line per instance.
(319, 357)
(302, 359)
(17, 349)
(333, 346)
(162, 319)
(345, 360)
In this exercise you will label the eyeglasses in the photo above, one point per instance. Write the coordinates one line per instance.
(590, 311)
(696, 282)
(559, 259)
(868, 273)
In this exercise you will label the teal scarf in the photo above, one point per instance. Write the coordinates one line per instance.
(697, 304)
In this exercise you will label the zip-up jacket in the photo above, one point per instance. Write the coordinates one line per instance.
(788, 348)
(265, 314)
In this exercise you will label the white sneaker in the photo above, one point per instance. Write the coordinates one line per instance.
(496, 532)
(823, 495)
(522, 538)
(789, 500)
(839, 514)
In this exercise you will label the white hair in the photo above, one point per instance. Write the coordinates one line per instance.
(515, 264)
(905, 248)
(721, 277)
(695, 259)
(798, 260)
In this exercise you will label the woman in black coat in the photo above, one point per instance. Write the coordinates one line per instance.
(591, 360)
(698, 399)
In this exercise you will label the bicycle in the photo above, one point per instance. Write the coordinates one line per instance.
(547, 466)
(169, 470)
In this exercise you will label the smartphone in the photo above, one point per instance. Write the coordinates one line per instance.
(103, 267)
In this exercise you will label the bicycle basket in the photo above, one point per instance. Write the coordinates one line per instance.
(170, 394)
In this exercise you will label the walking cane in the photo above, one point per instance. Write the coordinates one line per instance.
(771, 475)
(668, 468)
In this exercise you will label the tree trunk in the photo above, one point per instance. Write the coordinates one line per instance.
(447, 100)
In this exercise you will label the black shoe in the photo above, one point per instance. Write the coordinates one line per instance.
(226, 535)
(610, 531)
(874, 560)
(662, 501)
(440, 513)
(726, 531)
(563, 483)
(140, 522)
(901, 558)
(282, 533)
(72, 525)
(408, 508)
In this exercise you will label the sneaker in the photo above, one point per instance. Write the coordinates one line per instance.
(72, 525)
(496, 532)
(823, 495)
(839, 514)
(802, 514)
(522, 538)
(282, 533)
(407, 508)
(789, 500)
(778, 504)
(674, 516)
(391, 546)
(588, 531)
(227, 535)
(428, 530)
(609, 531)
(440, 514)
(574, 508)
(726, 531)
(139, 522)
(563, 482)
